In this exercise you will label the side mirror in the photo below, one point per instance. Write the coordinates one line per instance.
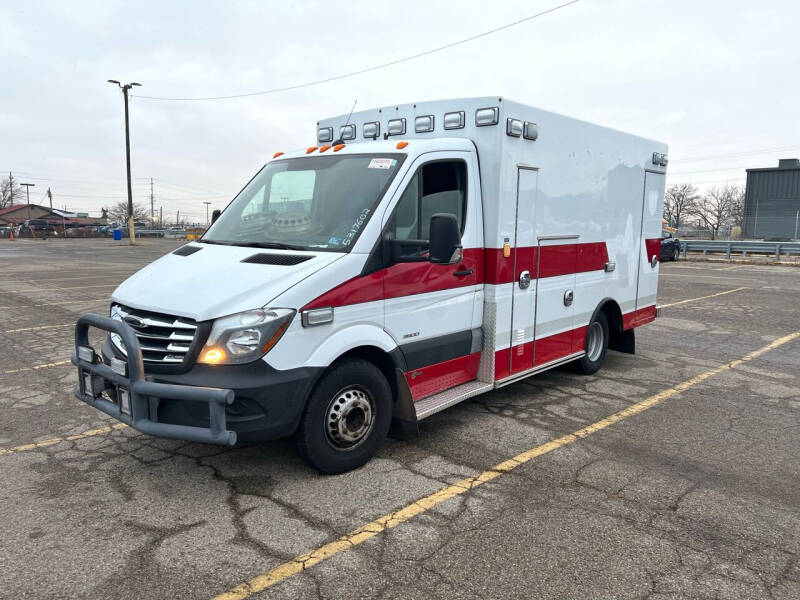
(445, 244)
(215, 215)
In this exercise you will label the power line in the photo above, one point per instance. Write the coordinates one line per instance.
(368, 69)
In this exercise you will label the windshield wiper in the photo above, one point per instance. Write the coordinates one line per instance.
(204, 241)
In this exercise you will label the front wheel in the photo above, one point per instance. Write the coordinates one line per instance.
(596, 346)
(675, 253)
(347, 417)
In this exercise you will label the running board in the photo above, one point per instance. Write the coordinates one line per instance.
(438, 402)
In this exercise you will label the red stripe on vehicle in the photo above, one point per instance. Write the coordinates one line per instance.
(488, 265)
(525, 356)
(404, 279)
(639, 317)
(562, 259)
(441, 376)
(653, 246)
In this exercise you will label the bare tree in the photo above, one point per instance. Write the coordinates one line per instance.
(737, 207)
(10, 192)
(119, 212)
(679, 201)
(718, 207)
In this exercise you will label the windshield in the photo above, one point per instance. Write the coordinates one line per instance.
(319, 203)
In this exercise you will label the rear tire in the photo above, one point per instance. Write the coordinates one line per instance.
(675, 253)
(596, 346)
(347, 417)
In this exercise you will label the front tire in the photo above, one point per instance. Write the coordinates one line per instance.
(347, 417)
(596, 346)
(675, 253)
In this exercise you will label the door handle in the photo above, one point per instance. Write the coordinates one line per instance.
(524, 280)
(462, 273)
(568, 297)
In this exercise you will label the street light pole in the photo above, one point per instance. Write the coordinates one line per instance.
(206, 203)
(125, 88)
(28, 187)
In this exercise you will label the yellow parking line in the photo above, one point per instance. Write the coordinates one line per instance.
(370, 530)
(739, 289)
(35, 367)
(58, 440)
(39, 327)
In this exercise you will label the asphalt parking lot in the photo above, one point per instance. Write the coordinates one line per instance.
(694, 492)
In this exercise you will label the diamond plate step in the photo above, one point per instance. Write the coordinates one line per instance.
(438, 402)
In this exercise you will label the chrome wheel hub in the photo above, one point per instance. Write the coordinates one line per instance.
(349, 418)
(594, 341)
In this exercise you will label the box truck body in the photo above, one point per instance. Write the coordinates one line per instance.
(416, 256)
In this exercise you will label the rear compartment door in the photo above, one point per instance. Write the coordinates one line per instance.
(650, 243)
(523, 301)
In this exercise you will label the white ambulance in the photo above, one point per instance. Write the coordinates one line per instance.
(416, 256)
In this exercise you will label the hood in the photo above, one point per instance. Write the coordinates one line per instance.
(213, 281)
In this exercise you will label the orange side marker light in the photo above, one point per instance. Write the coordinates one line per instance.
(277, 154)
(338, 147)
(324, 148)
(401, 145)
(311, 149)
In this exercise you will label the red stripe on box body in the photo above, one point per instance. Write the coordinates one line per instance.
(639, 317)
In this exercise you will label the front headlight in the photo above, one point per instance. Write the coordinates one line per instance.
(245, 337)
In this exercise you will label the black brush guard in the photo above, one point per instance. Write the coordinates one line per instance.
(144, 395)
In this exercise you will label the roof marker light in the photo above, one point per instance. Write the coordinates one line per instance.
(454, 120)
(396, 127)
(277, 154)
(487, 116)
(513, 127)
(338, 147)
(401, 145)
(324, 148)
(423, 124)
(311, 149)
(371, 130)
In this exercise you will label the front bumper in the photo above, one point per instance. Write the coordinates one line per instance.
(212, 404)
(108, 390)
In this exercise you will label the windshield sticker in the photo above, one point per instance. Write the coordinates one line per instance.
(380, 163)
(336, 241)
(356, 226)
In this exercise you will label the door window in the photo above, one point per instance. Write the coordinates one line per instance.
(437, 187)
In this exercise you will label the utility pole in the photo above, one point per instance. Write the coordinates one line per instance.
(125, 88)
(28, 187)
(178, 219)
(151, 199)
(161, 217)
(207, 203)
(11, 188)
(50, 196)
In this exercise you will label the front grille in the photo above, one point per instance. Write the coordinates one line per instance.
(164, 339)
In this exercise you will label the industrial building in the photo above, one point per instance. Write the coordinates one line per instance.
(772, 202)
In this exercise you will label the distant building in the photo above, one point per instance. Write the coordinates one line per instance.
(772, 201)
(19, 213)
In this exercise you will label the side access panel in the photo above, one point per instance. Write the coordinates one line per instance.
(650, 246)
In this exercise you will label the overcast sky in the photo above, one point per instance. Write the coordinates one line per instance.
(717, 80)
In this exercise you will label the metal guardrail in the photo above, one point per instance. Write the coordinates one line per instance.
(744, 248)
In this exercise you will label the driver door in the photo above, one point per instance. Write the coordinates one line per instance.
(434, 311)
